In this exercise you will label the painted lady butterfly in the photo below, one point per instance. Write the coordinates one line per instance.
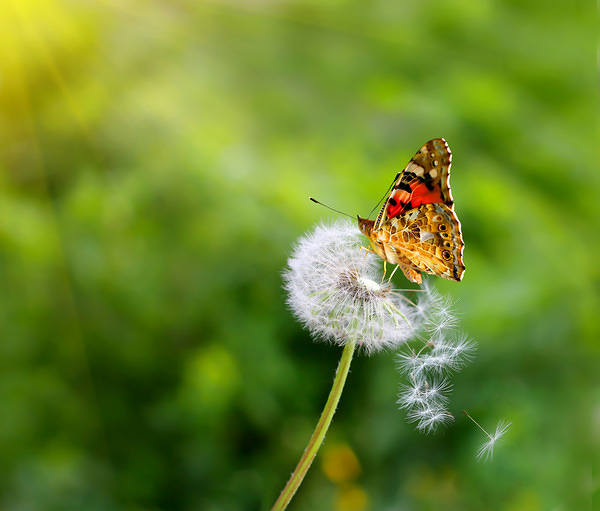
(417, 228)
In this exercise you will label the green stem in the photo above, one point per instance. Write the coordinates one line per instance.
(320, 430)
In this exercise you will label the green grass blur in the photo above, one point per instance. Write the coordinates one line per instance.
(156, 160)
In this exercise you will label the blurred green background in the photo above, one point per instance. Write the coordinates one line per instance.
(156, 159)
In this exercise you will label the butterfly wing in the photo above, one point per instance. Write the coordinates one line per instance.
(425, 180)
(417, 225)
(426, 239)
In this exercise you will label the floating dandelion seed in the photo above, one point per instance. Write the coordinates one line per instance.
(335, 289)
(486, 451)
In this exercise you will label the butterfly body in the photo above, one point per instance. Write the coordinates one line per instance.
(417, 228)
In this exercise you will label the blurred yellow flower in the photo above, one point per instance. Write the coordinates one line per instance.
(340, 464)
(351, 498)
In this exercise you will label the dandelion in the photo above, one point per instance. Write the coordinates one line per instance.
(336, 290)
(486, 451)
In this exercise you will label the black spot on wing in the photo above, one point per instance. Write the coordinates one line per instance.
(403, 185)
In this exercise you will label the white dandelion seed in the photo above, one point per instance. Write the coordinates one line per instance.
(430, 417)
(451, 355)
(486, 451)
(443, 356)
(335, 289)
(438, 310)
(423, 393)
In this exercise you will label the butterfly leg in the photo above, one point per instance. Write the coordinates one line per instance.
(396, 268)
(367, 250)
(384, 270)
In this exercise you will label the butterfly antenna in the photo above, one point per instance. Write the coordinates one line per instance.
(384, 196)
(329, 207)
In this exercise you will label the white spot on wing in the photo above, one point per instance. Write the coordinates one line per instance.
(416, 169)
(425, 235)
(412, 215)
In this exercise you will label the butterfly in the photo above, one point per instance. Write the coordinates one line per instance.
(417, 228)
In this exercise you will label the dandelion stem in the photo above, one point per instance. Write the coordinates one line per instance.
(320, 430)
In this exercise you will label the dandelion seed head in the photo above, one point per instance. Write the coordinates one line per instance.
(334, 288)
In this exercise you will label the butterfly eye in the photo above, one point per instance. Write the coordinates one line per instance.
(446, 254)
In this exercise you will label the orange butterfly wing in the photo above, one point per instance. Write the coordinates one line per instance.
(417, 227)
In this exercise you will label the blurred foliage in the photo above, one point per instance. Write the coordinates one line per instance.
(156, 159)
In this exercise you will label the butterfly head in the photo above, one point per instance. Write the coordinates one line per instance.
(365, 225)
